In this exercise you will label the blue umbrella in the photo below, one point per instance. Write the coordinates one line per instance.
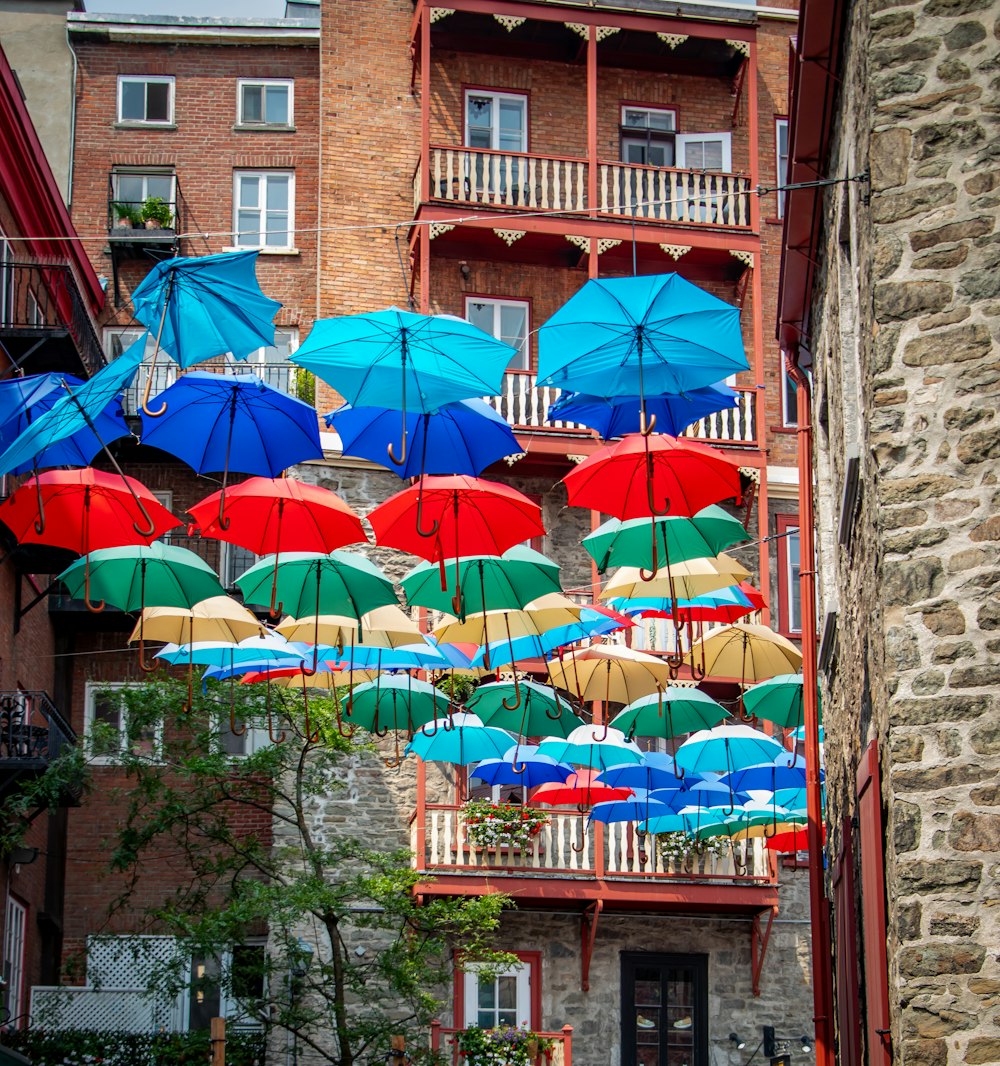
(641, 335)
(233, 422)
(463, 437)
(204, 307)
(462, 740)
(521, 765)
(404, 657)
(656, 771)
(770, 776)
(674, 412)
(399, 359)
(641, 808)
(730, 596)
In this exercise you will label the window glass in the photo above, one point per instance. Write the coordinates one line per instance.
(145, 99)
(496, 121)
(276, 104)
(133, 101)
(507, 320)
(157, 101)
(794, 605)
(265, 103)
(781, 144)
(264, 205)
(648, 118)
(13, 963)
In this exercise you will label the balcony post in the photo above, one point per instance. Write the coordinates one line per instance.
(567, 1032)
(592, 257)
(763, 521)
(425, 100)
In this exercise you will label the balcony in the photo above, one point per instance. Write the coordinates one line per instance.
(444, 1043)
(522, 182)
(45, 322)
(32, 734)
(141, 229)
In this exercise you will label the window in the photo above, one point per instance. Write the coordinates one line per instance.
(117, 342)
(272, 364)
(267, 102)
(231, 988)
(234, 562)
(15, 926)
(704, 151)
(145, 100)
(165, 497)
(507, 320)
(790, 610)
(789, 401)
(263, 209)
(247, 740)
(496, 121)
(107, 727)
(132, 188)
(665, 1009)
(647, 136)
(781, 148)
(501, 999)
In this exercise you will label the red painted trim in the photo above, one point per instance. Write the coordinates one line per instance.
(593, 257)
(783, 523)
(764, 554)
(425, 104)
(848, 1001)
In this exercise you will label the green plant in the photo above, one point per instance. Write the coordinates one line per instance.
(680, 848)
(490, 824)
(509, 1046)
(457, 687)
(156, 209)
(78, 1047)
(128, 212)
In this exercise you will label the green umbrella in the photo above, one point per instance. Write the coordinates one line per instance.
(669, 713)
(618, 543)
(488, 582)
(778, 700)
(542, 711)
(398, 702)
(310, 583)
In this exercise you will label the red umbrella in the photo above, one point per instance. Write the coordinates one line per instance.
(468, 516)
(793, 840)
(580, 789)
(278, 514)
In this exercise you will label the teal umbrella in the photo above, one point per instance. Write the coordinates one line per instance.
(727, 748)
(542, 712)
(669, 713)
(395, 701)
(461, 741)
(778, 700)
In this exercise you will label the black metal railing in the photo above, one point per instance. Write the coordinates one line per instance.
(40, 297)
(154, 213)
(32, 731)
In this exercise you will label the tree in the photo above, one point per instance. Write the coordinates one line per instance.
(352, 955)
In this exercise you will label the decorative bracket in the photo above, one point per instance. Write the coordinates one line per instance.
(675, 250)
(672, 40)
(751, 473)
(605, 244)
(580, 28)
(606, 31)
(588, 932)
(743, 47)
(576, 458)
(758, 946)
(437, 228)
(438, 13)
(509, 22)
(744, 257)
(583, 243)
(509, 235)
(510, 460)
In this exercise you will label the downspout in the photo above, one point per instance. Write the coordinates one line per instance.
(819, 907)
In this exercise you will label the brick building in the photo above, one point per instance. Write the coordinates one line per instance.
(890, 296)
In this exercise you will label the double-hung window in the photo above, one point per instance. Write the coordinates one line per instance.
(496, 121)
(498, 1000)
(264, 209)
(507, 320)
(647, 136)
(781, 150)
(263, 102)
(108, 727)
(145, 100)
(790, 609)
(132, 188)
(273, 363)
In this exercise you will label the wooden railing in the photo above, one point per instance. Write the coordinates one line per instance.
(569, 846)
(444, 1041)
(666, 194)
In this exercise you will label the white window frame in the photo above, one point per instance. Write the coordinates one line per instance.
(147, 79)
(238, 242)
(521, 971)
(671, 111)
(781, 171)
(15, 933)
(89, 713)
(257, 363)
(523, 360)
(682, 140)
(264, 84)
(6, 279)
(496, 97)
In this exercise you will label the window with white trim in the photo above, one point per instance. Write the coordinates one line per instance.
(496, 121)
(704, 151)
(263, 102)
(145, 100)
(132, 188)
(498, 1000)
(107, 728)
(789, 401)
(15, 927)
(781, 150)
(790, 613)
(231, 987)
(647, 136)
(507, 320)
(273, 363)
(264, 209)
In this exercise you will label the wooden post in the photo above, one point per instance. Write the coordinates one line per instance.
(567, 1031)
(218, 1038)
(397, 1050)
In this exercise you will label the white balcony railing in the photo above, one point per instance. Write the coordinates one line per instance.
(279, 375)
(665, 194)
(736, 424)
(508, 179)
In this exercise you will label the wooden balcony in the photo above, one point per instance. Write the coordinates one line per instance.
(559, 184)
(444, 1042)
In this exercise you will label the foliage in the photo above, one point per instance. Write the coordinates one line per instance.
(305, 385)
(502, 1047)
(680, 848)
(64, 779)
(156, 209)
(86, 1047)
(489, 824)
(457, 687)
(375, 955)
(128, 212)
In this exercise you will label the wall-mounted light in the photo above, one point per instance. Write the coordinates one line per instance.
(738, 1041)
(806, 1044)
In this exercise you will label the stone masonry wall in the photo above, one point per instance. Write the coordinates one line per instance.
(907, 373)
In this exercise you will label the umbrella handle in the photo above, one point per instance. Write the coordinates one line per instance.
(40, 520)
(167, 293)
(648, 575)
(232, 710)
(149, 388)
(553, 717)
(270, 725)
(601, 739)
(642, 855)
(347, 714)
(646, 427)
(435, 524)
(433, 733)
(583, 831)
(146, 668)
(96, 608)
(395, 763)
(276, 608)
(222, 521)
(740, 867)
(517, 684)
(656, 512)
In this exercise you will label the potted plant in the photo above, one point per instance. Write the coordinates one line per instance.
(127, 214)
(156, 213)
(491, 824)
(509, 1046)
(680, 850)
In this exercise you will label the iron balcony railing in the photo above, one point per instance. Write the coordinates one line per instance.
(32, 731)
(157, 214)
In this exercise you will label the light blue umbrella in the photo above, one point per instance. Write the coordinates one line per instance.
(257, 650)
(422, 656)
(461, 741)
(727, 748)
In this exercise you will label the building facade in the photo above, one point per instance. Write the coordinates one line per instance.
(889, 294)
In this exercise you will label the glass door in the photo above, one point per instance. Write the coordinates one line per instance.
(664, 1010)
(495, 122)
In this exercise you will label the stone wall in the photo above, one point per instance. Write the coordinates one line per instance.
(907, 374)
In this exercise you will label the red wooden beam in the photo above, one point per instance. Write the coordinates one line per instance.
(758, 947)
(588, 933)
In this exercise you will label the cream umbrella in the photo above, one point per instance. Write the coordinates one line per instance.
(687, 580)
(750, 653)
(388, 626)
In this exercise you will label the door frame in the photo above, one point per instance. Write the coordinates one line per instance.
(630, 960)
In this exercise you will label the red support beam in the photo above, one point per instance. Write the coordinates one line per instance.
(588, 933)
(593, 265)
(759, 939)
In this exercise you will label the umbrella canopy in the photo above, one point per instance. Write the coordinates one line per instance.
(674, 412)
(722, 605)
(641, 476)
(219, 618)
(395, 702)
(638, 809)
(618, 543)
(651, 334)
(656, 771)
(252, 651)
(157, 575)
(593, 747)
(463, 437)
(487, 583)
(610, 673)
(580, 789)
(669, 713)
(23, 400)
(778, 700)
(418, 656)
(233, 422)
(541, 712)
(521, 765)
(794, 840)
(84, 510)
(770, 776)
(384, 627)
(748, 652)
(488, 627)
(687, 580)
(204, 306)
(726, 748)
(461, 741)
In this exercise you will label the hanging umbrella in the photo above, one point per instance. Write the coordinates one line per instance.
(695, 793)
(726, 748)
(800, 734)
(595, 750)
(521, 765)
(233, 422)
(23, 400)
(687, 580)
(794, 840)
(669, 713)
(541, 712)
(581, 789)
(202, 307)
(486, 583)
(463, 437)
(656, 771)
(418, 656)
(399, 359)
(640, 336)
(770, 776)
(219, 618)
(673, 412)
(609, 673)
(384, 627)
(748, 652)
(618, 543)
(641, 808)
(778, 699)
(723, 605)
(395, 702)
(461, 741)
(275, 515)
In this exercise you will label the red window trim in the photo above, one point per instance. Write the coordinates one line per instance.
(784, 523)
(534, 961)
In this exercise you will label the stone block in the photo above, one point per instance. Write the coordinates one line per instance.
(932, 778)
(923, 487)
(949, 346)
(975, 832)
(938, 875)
(954, 8)
(903, 299)
(953, 69)
(966, 560)
(988, 530)
(888, 155)
(950, 708)
(951, 652)
(964, 35)
(905, 826)
(985, 181)
(985, 737)
(888, 27)
(906, 747)
(908, 921)
(975, 676)
(897, 206)
(986, 796)
(908, 581)
(897, 83)
(928, 682)
(953, 231)
(941, 258)
(944, 619)
(901, 647)
(941, 138)
(988, 617)
(984, 282)
(924, 1052)
(941, 1022)
(982, 1049)
(933, 959)
(904, 543)
(900, 517)
(948, 924)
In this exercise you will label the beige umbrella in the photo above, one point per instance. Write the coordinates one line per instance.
(385, 627)
(750, 653)
(487, 627)
(686, 580)
(218, 618)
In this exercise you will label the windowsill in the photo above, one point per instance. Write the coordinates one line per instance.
(783, 429)
(135, 125)
(774, 221)
(263, 251)
(262, 127)
(797, 635)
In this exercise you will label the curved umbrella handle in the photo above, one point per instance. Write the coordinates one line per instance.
(433, 732)
(653, 509)
(222, 520)
(554, 717)
(517, 684)
(604, 737)
(40, 520)
(167, 293)
(392, 454)
(96, 608)
(607, 700)
(648, 575)
(146, 410)
(646, 427)
(642, 855)
(397, 761)
(270, 725)
(276, 607)
(435, 524)
(738, 866)
(583, 834)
